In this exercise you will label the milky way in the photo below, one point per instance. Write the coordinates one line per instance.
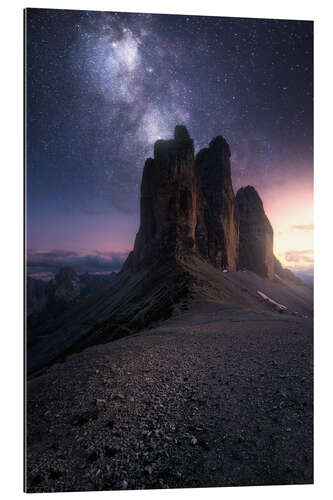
(103, 87)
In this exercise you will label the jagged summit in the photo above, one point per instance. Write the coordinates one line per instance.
(251, 196)
(220, 145)
(181, 146)
(181, 134)
(66, 276)
(255, 234)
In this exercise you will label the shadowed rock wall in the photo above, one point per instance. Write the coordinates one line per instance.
(255, 234)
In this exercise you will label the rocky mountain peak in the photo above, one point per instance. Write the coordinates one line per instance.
(218, 229)
(67, 284)
(220, 146)
(249, 198)
(255, 234)
(181, 134)
(168, 202)
(66, 275)
(173, 150)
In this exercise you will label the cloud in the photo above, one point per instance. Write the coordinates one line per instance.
(45, 262)
(44, 276)
(306, 227)
(299, 256)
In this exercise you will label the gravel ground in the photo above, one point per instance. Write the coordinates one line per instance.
(219, 399)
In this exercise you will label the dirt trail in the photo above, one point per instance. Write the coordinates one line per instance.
(210, 400)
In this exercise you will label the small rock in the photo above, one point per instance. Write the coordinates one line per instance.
(85, 417)
(55, 474)
(93, 456)
(110, 451)
(149, 469)
(100, 401)
(118, 396)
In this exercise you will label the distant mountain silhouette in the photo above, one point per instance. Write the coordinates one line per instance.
(47, 299)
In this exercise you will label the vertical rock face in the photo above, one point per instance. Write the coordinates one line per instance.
(255, 234)
(217, 229)
(168, 202)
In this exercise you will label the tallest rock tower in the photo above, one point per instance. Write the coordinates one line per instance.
(168, 204)
(187, 205)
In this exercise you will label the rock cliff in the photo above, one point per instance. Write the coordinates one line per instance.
(255, 234)
(217, 228)
(168, 202)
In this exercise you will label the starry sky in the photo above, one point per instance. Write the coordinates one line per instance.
(102, 87)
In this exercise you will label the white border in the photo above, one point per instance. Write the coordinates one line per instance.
(11, 208)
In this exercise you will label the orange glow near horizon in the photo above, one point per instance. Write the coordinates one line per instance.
(290, 211)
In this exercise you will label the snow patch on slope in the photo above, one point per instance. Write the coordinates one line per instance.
(279, 307)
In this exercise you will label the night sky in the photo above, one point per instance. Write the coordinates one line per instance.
(102, 87)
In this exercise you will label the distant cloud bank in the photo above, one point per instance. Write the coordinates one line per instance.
(299, 256)
(306, 227)
(300, 262)
(44, 264)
